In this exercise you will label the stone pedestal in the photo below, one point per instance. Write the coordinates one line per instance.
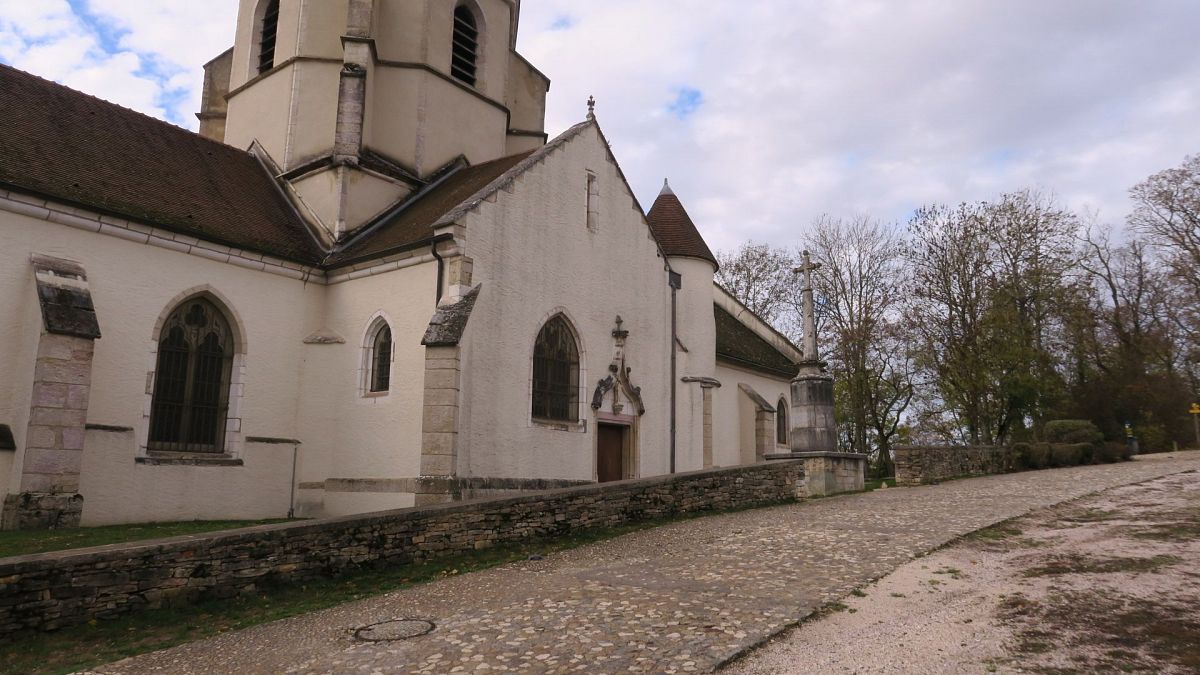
(813, 426)
(829, 473)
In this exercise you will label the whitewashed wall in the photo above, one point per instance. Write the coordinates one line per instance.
(733, 412)
(697, 333)
(535, 257)
(347, 432)
(133, 286)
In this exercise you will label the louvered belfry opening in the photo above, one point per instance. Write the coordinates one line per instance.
(270, 31)
(466, 46)
(556, 373)
(191, 382)
(381, 359)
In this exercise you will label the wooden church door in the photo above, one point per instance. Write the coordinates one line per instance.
(610, 449)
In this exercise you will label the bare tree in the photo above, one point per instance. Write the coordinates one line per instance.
(1167, 211)
(760, 276)
(859, 283)
(1141, 360)
(949, 261)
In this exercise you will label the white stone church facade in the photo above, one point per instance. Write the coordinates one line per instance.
(370, 282)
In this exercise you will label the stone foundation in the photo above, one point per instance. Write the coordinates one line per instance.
(41, 511)
(829, 473)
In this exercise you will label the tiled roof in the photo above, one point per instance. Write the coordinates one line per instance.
(414, 222)
(443, 203)
(674, 229)
(739, 345)
(58, 143)
(70, 147)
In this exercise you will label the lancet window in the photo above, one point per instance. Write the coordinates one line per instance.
(556, 373)
(379, 353)
(191, 381)
(781, 422)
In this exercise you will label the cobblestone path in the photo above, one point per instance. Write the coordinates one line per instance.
(680, 598)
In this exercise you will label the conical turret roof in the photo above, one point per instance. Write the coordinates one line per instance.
(674, 229)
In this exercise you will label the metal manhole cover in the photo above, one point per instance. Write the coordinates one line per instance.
(396, 629)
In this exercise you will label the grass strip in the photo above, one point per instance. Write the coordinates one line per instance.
(45, 541)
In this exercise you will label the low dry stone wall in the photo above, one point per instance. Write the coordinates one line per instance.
(53, 590)
(925, 464)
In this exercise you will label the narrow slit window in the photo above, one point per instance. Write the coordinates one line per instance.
(465, 54)
(267, 37)
(781, 423)
(381, 359)
(593, 201)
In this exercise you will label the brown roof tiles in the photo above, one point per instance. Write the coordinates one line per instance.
(58, 143)
(674, 229)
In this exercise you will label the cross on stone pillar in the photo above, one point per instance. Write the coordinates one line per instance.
(809, 312)
(813, 427)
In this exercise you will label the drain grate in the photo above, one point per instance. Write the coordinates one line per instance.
(396, 629)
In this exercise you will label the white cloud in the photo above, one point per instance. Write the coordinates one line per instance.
(143, 54)
(808, 106)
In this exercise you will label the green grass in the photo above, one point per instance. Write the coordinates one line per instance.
(43, 541)
(876, 484)
(100, 642)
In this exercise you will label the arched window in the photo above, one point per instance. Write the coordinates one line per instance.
(379, 353)
(466, 45)
(268, 32)
(781, 422)
(556, 373)
(191, 380)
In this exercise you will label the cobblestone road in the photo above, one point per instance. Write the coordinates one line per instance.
(681, 598)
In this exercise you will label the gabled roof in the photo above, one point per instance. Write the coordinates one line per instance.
(739, 345)
(413, 222)
(61, 144)
(77, 149)
(674, 229)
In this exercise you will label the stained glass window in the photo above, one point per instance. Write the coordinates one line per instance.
(191, 380)
(556, 373)
(381, 359)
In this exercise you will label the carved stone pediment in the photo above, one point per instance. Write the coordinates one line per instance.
(619, 384)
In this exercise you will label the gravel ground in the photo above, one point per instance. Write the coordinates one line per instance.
(682, 598)
(1104, 584)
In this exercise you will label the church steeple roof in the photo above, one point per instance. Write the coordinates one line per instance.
(674, 229)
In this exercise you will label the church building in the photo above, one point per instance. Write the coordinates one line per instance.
(370, 282)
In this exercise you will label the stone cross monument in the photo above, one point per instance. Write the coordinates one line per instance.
(813, 426)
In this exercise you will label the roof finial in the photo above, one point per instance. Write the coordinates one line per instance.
(667, 188)
(591, 108)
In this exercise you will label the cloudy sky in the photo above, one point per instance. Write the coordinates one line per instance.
(766, 114)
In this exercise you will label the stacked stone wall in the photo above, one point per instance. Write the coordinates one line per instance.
(53, 590)
(925, 464)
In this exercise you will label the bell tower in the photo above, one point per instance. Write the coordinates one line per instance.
(356, 104)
